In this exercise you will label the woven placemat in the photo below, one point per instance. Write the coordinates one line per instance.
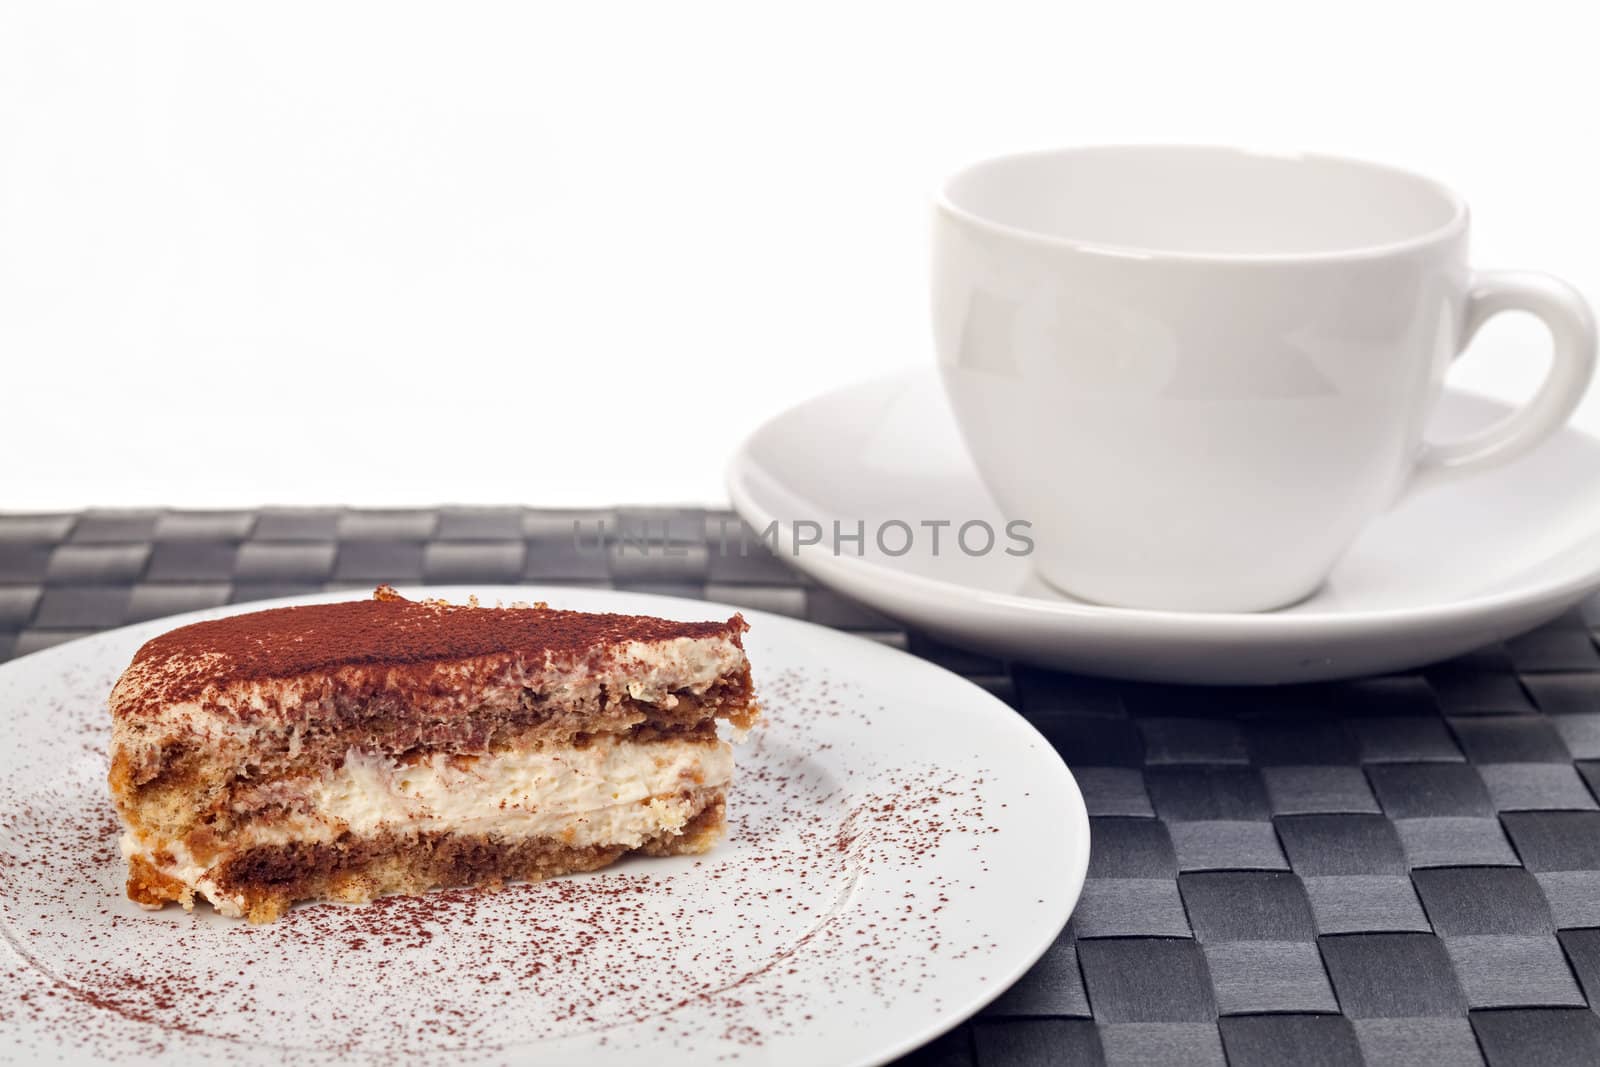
(1398, 870)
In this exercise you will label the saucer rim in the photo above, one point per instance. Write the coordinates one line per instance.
(1327, 622)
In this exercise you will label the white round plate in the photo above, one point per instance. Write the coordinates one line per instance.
(1454, 569)
(902, 846)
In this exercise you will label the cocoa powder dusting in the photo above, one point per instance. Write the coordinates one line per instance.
(387, 630)
(820, 910)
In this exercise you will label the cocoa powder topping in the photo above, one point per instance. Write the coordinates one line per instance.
(392, 631)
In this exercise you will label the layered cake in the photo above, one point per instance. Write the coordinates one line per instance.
(344, 751)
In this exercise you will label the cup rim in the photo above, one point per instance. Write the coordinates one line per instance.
(1450, 229)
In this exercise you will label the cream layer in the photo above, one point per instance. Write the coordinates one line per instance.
(610, 792)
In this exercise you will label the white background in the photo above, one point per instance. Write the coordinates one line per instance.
(572, 253)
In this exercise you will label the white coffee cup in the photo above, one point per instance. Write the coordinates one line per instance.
(1198, 372)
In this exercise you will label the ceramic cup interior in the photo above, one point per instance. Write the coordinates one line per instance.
(1203, 201)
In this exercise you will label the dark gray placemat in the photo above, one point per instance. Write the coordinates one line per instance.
(1398, 870)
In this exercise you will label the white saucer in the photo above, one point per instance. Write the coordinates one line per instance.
(1449, 571)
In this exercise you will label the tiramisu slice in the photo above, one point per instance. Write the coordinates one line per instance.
(343, 751)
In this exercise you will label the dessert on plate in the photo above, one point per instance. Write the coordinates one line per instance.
(344, 751)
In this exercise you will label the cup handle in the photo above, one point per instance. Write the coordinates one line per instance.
(1572, 329)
